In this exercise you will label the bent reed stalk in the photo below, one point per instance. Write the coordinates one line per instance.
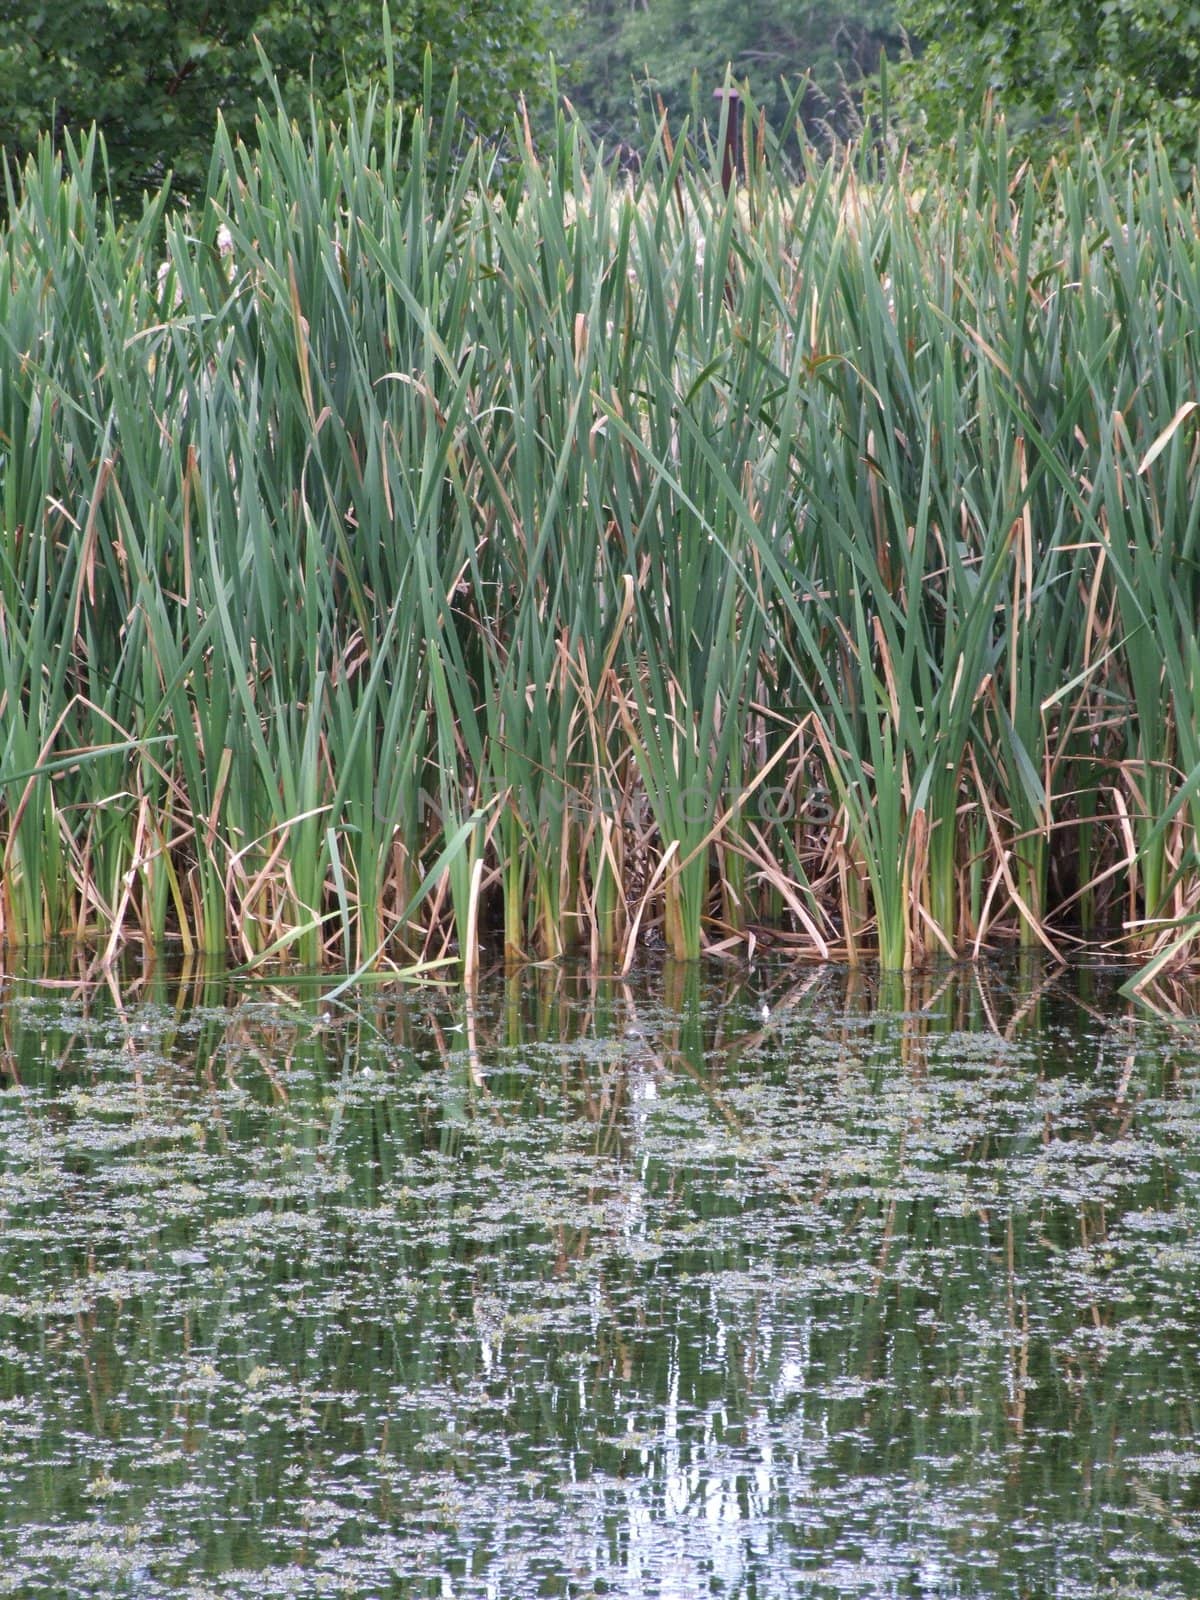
(400, 547)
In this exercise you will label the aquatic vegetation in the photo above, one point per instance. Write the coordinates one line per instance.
(407, 548)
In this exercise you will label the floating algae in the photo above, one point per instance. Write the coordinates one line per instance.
(590, 1294)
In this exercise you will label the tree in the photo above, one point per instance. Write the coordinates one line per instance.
(1046, 63)
(677, 50)
(153, 75)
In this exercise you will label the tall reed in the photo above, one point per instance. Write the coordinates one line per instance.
(406, 547)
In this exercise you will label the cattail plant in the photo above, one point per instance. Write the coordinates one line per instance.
(406, 551)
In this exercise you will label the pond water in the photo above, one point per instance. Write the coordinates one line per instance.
(765, 1285)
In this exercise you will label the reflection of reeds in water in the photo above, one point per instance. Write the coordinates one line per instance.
(863, 1234)
(432, 550)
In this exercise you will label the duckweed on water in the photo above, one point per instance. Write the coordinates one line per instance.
(599, 1292)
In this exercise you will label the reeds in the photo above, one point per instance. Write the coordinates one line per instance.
(404, 548)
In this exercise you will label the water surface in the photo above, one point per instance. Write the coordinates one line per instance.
(693, 1286)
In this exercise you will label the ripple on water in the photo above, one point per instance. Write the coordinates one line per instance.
(622, 1299)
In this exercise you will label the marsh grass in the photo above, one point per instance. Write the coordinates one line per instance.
(405, 548)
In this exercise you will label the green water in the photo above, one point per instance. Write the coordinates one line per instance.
(604, 1290)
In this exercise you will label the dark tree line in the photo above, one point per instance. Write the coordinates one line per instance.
(630, 57)
(153, 74)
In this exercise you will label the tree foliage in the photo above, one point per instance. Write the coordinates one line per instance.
(1045, 63)
(678, 50)
(153, 76)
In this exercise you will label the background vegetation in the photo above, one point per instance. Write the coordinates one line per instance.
(1049, 66)
(153, 77)
(674, 52)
